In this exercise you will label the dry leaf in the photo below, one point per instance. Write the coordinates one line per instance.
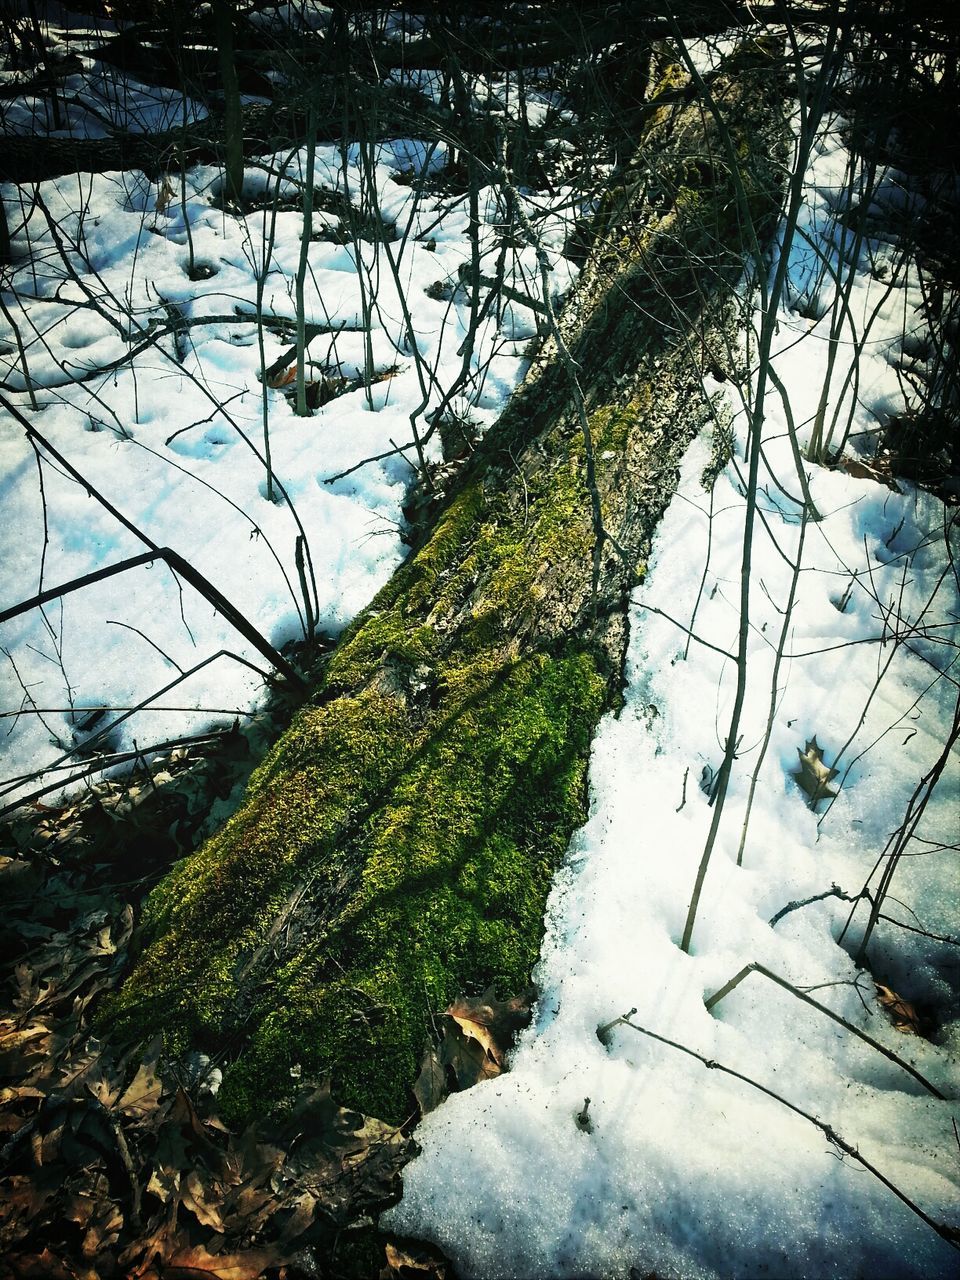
(283, 379)
(430, 1087)
(164, 195)
(119, 1176)
(466, 1057)
(864, 469)
(204, 1201)
(28, 987)
(164, 1184)
(492, 1022)
(22, 1049)
(140, 1100)
(102, 1233)
(900, 1012)
(814, 775)
(197, 1264)
(348, 1161)
(413, 1260)
(42, 1266)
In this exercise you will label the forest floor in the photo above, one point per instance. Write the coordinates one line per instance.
(822, 1141)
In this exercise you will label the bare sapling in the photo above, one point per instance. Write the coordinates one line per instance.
(771, 291)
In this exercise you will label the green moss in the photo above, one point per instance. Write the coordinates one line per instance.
(396, 847)
(384, 637)
(425, 842)
(612, 425)
(451, 894)
(214, 908)
(668, 80)
(446, 544)
(670, 76)
(454, 868)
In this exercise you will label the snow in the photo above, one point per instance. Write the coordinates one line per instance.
(681, 1171)
(687, 1174)
(671, 1168)
(174, 438)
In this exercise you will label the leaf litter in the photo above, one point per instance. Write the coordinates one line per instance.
(478, 1032)
(116, 1164)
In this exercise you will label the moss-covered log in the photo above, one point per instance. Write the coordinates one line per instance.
(396, 847)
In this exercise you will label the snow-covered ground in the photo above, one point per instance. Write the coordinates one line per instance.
(175, 437)
(671, 1169)
(685, 1172)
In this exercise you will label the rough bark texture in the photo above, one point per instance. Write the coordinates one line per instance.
(396, 846)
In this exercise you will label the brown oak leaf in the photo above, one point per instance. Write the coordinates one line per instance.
(900, 1012)
(140, 1100)
(466, 1058)
(196, 1262)
(430, 1087)
(814, 775)
(491, 1022)
(413, 1260)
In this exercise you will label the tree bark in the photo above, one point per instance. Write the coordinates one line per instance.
(232, 112)
(396, 846)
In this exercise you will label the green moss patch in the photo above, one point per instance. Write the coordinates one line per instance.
(396, 847)
(451, 895)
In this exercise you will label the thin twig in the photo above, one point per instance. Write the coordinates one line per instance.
(712, 1001)
(945, 1232)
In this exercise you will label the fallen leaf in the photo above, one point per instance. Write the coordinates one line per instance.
(42, 1266)
(283, 379)
(348, 1161)
(28, 987)
(142, 1258)
(197, 1264)
(900, 1012)
(203, 1199)
(22, 1199)
(184, 1138)
(140, 1100)
(412, 1260)
(814, 774)
(302, 1214)
(20, 877)
(9, 1095)
(493, 1022)
(164, 1184)
(22, 1049)
(79, 1209)
(87, 1070)
(466, 1057)
(102, 1234)
(430, 1087)
(865, 469)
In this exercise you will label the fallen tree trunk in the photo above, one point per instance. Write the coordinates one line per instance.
(36, 159)
(396, 846)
